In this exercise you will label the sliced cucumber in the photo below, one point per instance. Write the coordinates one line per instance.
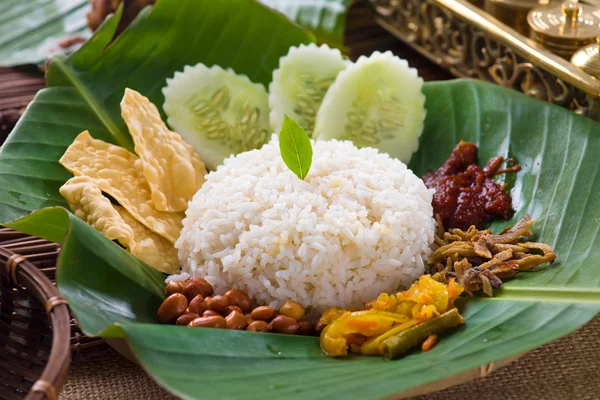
(376, 102)
(300, 83)
(217, 111)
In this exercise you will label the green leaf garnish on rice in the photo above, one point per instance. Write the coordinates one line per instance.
(295, 147)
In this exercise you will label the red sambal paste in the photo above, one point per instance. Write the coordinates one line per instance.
(465, 193)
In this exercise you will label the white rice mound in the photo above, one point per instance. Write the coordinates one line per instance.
(361, 223)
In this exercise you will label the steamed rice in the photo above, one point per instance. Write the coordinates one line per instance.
(359, 224)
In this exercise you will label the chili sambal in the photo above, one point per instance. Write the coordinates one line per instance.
(465, 193)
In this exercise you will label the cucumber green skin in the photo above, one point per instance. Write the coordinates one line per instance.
(375, 103)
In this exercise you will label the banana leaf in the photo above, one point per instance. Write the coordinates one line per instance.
(115, 295)
(326, 18)
(31, 30)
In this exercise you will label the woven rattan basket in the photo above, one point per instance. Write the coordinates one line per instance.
(35, 329)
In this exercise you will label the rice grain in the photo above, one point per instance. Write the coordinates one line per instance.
(361, 223)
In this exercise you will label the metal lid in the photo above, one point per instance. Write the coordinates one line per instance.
(588, 59)
(569, 20)
(514, 12)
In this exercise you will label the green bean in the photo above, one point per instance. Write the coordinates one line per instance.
(402, 342)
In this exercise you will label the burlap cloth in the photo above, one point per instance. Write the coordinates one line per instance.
(566, 369)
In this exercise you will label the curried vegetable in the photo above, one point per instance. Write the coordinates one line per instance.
(480, 260)
(399, 344)
(366, 331)
(429, 343)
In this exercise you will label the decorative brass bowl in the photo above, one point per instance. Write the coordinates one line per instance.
(588, 59)
(513, 12)
(564, 27)
(470, 43)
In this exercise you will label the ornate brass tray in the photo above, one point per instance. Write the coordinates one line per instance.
(470, 43)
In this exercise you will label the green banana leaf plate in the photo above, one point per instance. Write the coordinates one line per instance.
(114, 295)
(32, 30)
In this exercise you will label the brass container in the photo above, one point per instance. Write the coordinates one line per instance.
(566, 27)
(588, 59)
(478, 3)
(513, 12)
(470, 43)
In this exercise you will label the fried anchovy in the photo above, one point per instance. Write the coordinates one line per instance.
(480, 260)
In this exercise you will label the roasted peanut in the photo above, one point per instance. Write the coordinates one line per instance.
(263, 313)
(186, 318)
(208, 322)
(173, 287)
(196, 286)
(283, 324)
(218, 304)
(211, 313)
(238, 298)
(292, 309)
(197, 305)
(257, 326)
(233, 308)
(305, 327)
(171, 308)
(236, 320)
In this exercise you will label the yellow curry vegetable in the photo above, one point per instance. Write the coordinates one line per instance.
(389, 315)
(366, 323)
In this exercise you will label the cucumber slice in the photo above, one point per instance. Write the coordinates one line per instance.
(300, 83)
(217, 111)
(376, 102)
